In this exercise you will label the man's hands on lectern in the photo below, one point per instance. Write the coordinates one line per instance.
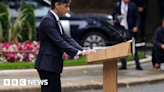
(88, 52)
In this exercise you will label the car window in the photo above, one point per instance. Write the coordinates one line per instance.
(40, 7)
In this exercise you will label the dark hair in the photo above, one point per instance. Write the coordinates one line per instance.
(59, 1)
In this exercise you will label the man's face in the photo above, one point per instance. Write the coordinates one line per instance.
(126, 1)
(163, 24)
(63, 8)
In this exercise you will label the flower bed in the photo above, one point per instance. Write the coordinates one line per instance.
(19, 52)
(20, 49)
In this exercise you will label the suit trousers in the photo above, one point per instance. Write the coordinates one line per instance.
(157, 56)
(123, 61)
(54, 83)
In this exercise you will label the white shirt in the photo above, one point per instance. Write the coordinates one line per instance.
(57, 18)
(122, 23)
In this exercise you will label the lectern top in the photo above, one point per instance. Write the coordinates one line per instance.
(111, 53)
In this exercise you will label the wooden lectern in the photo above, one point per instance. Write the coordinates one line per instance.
(109, 58)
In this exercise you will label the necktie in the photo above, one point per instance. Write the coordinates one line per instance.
(125, 18)
(60, 27)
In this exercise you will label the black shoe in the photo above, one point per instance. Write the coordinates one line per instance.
(139, 68)
(122, 68)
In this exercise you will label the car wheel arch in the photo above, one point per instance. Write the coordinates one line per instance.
(99, 31)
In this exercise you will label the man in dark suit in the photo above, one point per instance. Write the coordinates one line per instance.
(54, 42)
(130, 21)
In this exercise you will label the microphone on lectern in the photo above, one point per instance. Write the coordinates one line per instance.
(124, 39)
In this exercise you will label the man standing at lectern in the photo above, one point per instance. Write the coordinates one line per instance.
(130, 22)
(54, 42)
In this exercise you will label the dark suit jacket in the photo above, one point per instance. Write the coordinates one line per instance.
(53, 44)
(133, 16)
(158, 38)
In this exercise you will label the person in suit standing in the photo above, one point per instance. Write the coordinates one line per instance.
(142, 9)
(130, 22)
(54, 42)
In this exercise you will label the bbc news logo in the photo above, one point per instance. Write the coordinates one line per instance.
(24, 82)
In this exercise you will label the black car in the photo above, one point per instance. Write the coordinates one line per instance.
(89, 29)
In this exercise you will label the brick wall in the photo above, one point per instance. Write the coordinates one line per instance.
(106, 6)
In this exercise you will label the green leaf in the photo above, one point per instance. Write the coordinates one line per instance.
(20, 36)
(9, 34)
(2, 14)
(29, 30)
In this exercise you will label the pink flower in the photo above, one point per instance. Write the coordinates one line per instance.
(11, 57)
(16, 46)
(65, 56)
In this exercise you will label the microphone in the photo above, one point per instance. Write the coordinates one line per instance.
(124, 39)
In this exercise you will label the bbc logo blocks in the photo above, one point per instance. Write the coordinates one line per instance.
(24, 82)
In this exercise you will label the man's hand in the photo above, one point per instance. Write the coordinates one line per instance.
(118, 21)
(140, 9)
(88, 52)
(162, 46)
(135, 29)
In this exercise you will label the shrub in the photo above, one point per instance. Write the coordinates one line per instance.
(14, 26)
(4, 19)
(31, 20)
